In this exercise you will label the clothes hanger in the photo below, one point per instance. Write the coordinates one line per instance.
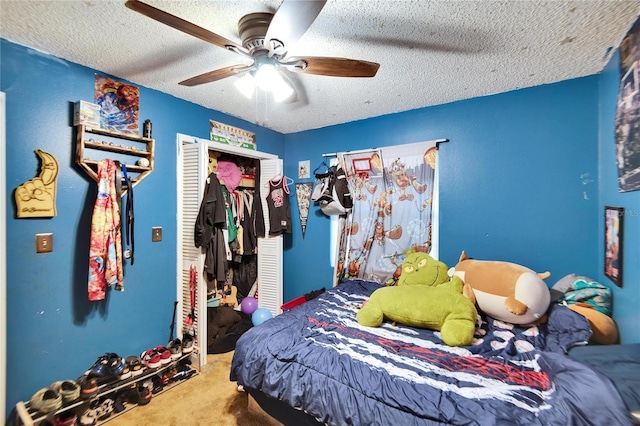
(278, 178)
(326, 168)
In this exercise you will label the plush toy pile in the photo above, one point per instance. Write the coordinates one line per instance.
(425, 298)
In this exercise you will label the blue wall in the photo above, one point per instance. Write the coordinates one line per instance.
(53, 331)
(524, 179)
(626, 299)
(518, 179)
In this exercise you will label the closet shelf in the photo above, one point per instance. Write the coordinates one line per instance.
(111, 142)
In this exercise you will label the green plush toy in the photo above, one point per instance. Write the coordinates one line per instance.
(424, 298)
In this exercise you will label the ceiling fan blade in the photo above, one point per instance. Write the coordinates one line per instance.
(335, 67)
(292, 19)
(182, 25)
(216, 75)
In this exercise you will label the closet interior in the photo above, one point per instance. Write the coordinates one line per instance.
(250, 264)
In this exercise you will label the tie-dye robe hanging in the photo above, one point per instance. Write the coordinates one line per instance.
(105, 250)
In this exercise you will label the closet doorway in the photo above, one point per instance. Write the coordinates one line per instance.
(192, 172)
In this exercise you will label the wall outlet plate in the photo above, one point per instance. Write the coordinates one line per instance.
(156, 234)
(44, 243)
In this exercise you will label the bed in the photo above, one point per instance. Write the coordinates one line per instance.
(319, 361)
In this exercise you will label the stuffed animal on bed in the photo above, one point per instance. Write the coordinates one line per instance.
(424, 298)
(503, 290)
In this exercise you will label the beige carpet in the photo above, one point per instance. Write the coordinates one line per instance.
(206, 399)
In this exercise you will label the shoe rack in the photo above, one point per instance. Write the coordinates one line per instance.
(28, 416)
(136, 152)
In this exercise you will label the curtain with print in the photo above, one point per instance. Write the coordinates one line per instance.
(393, 196)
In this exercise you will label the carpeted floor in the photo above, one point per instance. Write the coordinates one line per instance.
(207, 399)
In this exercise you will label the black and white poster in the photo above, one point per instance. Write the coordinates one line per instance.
(627, 125)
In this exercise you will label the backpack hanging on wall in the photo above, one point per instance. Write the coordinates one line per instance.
(321, 190)
(336, 197)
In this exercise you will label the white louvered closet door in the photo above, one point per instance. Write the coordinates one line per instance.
(269, 248)
(191, 184)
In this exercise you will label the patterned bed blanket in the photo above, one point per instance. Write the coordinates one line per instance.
(318, 359)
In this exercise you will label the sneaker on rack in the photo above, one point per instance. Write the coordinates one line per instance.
(175, 347)
(46, 401)
(116, 365)
(143, 395)
(151, 358)
(165, 354)
(100, 368)
(88, 386)
(89, 417)
(135, 365)
(105, 409)
(187, 343)
(67, 389)
(66, 418)
(107, 366)
(120, 403)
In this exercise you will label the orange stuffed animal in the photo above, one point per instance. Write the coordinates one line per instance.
(505, 291)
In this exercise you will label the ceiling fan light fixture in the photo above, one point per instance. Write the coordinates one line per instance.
(267, 76)
(282, 92)
(246, 85)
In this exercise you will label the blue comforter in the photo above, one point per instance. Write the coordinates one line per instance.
(318, 359)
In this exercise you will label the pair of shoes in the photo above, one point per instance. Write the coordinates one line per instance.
(108, 365)
(134, 364)
(156, 357)
(151, 359)
(68, 390)
(183, 373)
(105, 409)
(140, 395)
(144, 395)
(46, 401)
(88, 386)
(98, 410)
(165, 354)
(175, 347)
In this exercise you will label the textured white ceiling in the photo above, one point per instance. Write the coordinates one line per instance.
(430, 52)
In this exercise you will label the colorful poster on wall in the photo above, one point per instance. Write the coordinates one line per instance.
(119, 104)
(303, 193)
(627, 122)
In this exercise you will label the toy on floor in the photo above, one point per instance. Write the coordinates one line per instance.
(425, 298)
(229, 296)
(503, 290)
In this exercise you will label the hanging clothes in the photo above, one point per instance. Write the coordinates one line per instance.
(105, 247)
(209, 227)
(279, 206)
(247, 221)
(256, 207)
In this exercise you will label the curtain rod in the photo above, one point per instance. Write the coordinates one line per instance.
(335, 154)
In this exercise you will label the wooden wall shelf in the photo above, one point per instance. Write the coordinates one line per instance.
(107, 141)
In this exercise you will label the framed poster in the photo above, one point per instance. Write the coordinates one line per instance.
(303, 169)
(613, 233)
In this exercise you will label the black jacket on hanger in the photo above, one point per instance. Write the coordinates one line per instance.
(211, 220)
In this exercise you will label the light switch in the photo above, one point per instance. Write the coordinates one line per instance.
(156, 234)
(44, 243)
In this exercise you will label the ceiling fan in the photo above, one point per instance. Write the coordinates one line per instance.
(265, 41)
